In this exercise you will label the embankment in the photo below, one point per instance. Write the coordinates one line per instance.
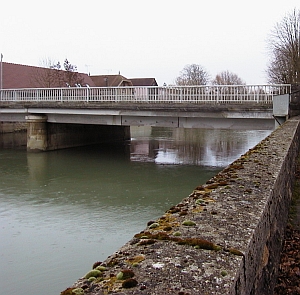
(225, 238)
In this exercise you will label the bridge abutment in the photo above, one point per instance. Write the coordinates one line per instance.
(44, 136)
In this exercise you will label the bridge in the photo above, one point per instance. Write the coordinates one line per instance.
(226, 106)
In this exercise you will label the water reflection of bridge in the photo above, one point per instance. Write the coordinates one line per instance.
(205, 147)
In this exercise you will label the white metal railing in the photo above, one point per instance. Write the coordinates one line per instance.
(155, 94)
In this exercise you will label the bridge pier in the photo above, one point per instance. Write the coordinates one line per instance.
(45, 136)
(37, 135)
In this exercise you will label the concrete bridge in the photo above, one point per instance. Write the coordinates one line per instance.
(64, 117)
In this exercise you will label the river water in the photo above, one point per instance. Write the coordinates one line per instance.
(61, 211)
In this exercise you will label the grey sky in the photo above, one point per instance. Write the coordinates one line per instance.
(143, 38)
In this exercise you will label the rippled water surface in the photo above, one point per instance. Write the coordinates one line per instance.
(63, 210)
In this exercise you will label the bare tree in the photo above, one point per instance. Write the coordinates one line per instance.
(57, 74)
(72, 77)
(51, 74)
(284, 46)
(48, 75)
(192, 75)
(227, 78)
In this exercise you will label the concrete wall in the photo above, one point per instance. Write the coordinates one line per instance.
(224, 238)
(294, 108)
(11, 127)
(13, 135)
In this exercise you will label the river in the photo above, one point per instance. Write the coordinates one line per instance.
(61, 211)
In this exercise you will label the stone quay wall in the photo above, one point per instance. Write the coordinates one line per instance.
(224, 238)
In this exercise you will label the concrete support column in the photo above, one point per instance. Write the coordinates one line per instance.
(37, 135)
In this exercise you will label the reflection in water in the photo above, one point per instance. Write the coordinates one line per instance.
(206, 147)
(63, 210)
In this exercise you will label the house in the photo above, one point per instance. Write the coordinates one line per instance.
(119, 80)
(111, 81)
(23, 76)
(143, 82)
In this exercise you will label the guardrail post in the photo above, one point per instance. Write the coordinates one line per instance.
(87, 94)
(180, 97)
(116, 94)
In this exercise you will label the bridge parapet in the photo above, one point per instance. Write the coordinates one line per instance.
(262, 94)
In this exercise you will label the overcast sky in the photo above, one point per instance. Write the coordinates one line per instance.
(143, 38)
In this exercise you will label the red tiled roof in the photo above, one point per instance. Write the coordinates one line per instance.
(110, 81)
(23, 76)
(143, 82)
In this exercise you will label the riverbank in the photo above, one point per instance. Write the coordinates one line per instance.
(225, 238)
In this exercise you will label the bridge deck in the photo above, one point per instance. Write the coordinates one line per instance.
(235, 116)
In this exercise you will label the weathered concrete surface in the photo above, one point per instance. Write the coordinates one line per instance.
(225, 238)
(294, 107)
(188, 106)
(12, 127)
(185, 115)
